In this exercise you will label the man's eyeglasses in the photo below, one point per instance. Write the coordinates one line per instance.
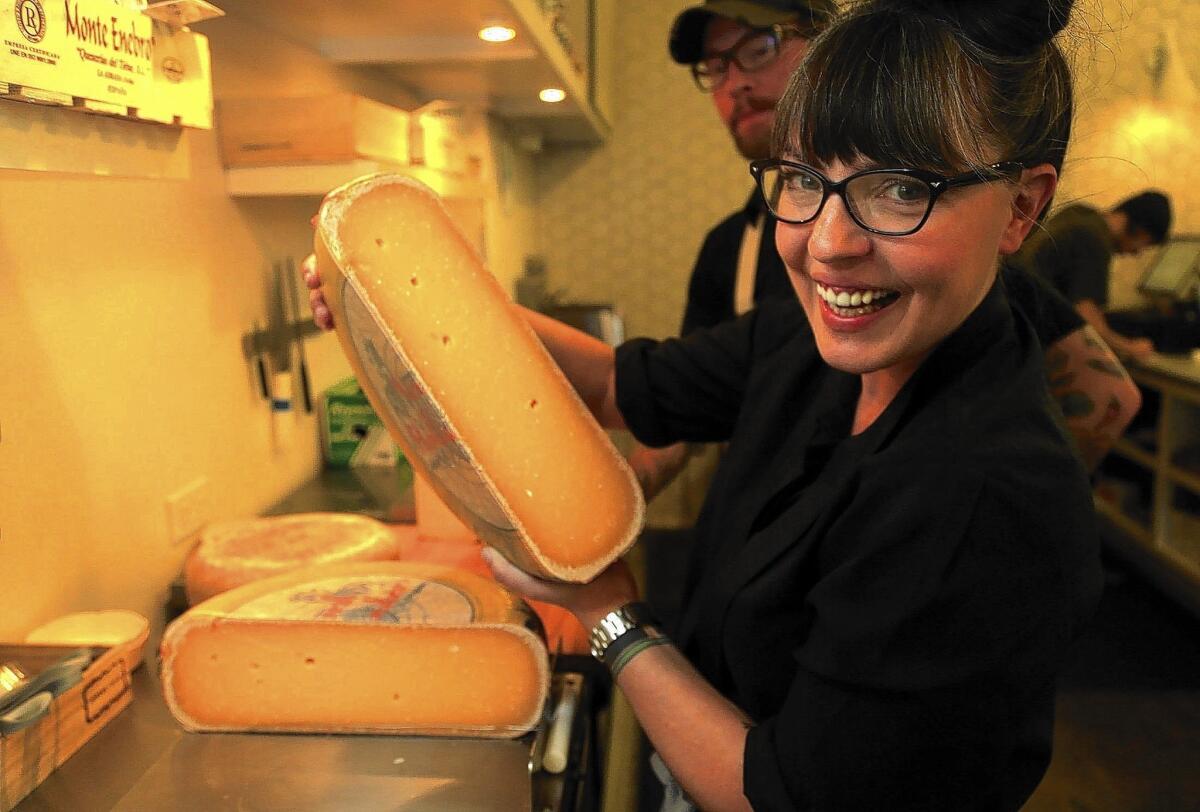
(892, 202)
(754, 51)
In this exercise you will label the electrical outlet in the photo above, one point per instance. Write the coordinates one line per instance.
(188, 510)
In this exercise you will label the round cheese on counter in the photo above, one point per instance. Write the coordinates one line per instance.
(364, 647)
(237, 552)
(465, 386)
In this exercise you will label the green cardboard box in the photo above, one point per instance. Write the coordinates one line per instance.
(351, 433)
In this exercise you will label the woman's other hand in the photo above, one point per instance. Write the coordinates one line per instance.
(612, 588)
(316, 299)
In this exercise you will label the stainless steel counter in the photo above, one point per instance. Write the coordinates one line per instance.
(382, 493)
(143, 760)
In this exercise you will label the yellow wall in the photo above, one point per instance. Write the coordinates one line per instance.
(122, 307)
(1133, 131)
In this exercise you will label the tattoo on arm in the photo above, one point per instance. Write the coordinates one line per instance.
(1074, 403)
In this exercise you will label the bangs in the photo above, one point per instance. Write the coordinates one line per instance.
(895, 89)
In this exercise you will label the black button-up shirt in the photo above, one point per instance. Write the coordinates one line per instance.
(889, 608)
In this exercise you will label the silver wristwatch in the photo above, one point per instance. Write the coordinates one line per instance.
(616, 623)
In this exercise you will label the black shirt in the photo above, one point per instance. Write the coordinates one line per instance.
(1072, 252)
(889, 608)
(710, 298)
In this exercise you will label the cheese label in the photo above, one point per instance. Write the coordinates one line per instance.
(427, 435)
(384, 599)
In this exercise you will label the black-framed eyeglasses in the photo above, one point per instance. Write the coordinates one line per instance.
(754, 51)
(891, 202)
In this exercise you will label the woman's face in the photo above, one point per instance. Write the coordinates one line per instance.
(921, 286)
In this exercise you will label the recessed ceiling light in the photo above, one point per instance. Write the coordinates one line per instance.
(497, 33)
(552, 95)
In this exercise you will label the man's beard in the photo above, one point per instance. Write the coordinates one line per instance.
(754, 148)
(756, 144)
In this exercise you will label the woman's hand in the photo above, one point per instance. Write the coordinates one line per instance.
(316, 299)
(589, 602)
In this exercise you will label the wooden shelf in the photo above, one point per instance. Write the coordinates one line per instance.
(1184, 478)
(1124, 522)
(1134, 452)
(298, 180)
(1164, 545)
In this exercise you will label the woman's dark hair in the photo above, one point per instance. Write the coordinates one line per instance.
(944, 85)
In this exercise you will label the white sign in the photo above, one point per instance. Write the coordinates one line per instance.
(100, 52)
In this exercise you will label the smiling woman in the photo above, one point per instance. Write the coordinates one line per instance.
(899, 544)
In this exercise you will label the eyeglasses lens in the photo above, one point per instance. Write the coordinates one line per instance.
(753, 52)
(890, 203)
(793, 194)
(882, 201)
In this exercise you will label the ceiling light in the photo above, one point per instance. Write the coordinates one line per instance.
(497, 33)
(552, 95)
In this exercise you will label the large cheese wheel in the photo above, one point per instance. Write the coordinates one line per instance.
(237, 552)
(466, 387)
(374, 647)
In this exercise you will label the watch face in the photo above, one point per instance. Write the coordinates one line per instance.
(612, 626)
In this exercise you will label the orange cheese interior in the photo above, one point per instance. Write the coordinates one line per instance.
(281, 675)
(568, 489)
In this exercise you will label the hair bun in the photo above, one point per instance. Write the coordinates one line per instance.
(1002, 26)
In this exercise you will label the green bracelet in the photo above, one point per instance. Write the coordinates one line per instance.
(635, 649)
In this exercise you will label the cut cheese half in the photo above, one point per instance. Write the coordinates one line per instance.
(237, 552)
(376, 647)
(466, 387)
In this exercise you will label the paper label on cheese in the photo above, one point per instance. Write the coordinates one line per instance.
(427, 435)
(366, 599)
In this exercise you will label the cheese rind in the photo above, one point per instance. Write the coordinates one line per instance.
(466, 387)
(237, 552)
(374, 647)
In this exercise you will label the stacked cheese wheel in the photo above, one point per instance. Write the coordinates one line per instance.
(237, 552)
(465, 386)
(374, 647)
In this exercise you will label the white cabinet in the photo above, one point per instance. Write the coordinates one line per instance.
(432, 48)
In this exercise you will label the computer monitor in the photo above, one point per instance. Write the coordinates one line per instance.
(1174, 270)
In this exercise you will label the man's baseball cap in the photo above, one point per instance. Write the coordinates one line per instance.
(687, 33)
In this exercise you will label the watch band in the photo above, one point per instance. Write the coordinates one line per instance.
(631, 645)
(616, 623)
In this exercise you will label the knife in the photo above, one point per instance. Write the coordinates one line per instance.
(297, 336)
